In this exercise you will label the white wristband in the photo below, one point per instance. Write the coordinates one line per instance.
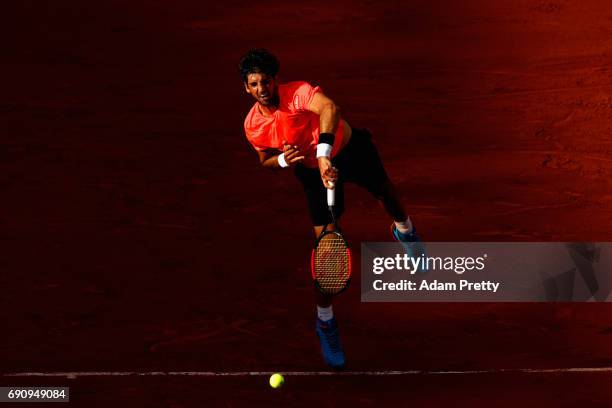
(281, 160)
(324, 150)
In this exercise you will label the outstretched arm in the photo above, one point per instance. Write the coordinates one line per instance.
(329, 117)
(328, 111)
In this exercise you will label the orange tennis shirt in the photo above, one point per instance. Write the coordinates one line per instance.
(292, 122)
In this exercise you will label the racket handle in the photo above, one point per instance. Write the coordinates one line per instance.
(331, 195)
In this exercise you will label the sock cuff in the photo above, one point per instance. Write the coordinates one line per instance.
(405, 226)
(325, 313)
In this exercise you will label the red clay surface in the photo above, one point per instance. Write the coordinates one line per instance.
(140, 233)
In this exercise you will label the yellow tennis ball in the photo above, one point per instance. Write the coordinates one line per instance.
(276, 380)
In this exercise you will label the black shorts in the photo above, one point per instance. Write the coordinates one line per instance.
(358, 162)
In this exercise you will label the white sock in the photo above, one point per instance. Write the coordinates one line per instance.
(404, 227)
(325, 313)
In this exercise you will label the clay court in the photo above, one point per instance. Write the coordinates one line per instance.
(148, 260)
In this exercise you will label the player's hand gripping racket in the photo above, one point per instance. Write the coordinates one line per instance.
(331, 256)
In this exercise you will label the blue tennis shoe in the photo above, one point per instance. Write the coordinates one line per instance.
(331, 347)
(413, 246)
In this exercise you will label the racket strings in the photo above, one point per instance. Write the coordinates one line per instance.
(332, 265)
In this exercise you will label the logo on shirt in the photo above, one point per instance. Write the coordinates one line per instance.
(296, 102)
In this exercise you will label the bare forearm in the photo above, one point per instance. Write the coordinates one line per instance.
(271, 159)
(271, 162)
(329, 118)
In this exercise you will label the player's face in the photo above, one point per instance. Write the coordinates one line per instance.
(262, 87)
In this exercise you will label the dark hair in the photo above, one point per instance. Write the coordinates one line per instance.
(258, 60)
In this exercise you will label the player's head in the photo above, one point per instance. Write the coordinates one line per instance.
(258, 61)
(258, 69)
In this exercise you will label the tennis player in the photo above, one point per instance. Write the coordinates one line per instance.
(295, 125)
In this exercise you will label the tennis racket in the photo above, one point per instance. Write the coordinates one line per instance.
(331, 256)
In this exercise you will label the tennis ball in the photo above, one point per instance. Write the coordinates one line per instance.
(276, 380)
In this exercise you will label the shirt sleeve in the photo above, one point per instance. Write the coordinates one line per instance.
(255, 132)
(302, 96)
